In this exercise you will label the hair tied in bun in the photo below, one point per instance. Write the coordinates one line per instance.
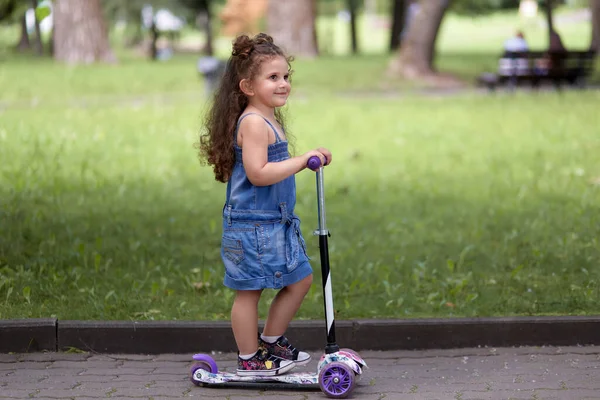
(242, 47)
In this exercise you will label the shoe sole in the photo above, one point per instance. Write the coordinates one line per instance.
(258, 373)
(303, 362)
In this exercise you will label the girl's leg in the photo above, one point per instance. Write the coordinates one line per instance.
(244, 320)
(284, 307)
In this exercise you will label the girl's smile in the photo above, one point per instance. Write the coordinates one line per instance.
(272, 85)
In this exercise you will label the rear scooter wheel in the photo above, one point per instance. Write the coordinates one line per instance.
(337, 380)
(204, 362)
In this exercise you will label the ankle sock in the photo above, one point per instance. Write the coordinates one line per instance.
(269, 339)
(246, 356)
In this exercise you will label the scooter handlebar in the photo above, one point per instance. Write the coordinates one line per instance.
(314, 163)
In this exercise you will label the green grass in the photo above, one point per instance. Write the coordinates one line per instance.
(487, 203)
(439, 206)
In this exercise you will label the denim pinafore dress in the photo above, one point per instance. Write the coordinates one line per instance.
(262, 245)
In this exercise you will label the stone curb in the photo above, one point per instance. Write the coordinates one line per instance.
(156, 337)
(28, 335)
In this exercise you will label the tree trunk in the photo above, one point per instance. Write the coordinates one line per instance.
(209, 48)
(292, 25)
(39, 47)
(154, 33)
(595, 7)
(24, 43)
(398, 15)
(549, 19)
(417, 50)
(81, 35)
(354, 42)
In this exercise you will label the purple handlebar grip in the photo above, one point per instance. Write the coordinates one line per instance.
(314, 163)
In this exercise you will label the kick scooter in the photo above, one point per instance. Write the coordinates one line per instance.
(338, 369)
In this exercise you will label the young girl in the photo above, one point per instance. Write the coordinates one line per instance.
(261, 246)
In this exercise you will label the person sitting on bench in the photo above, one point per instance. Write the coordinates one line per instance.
(516, 44)
(514, 61)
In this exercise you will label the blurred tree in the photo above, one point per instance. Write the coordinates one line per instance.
(201, 10)
(346, 10)
(417, 49)
(7, 9)
(398, 18)
(139, 26)
(20, 8)
(595, 7)
(548, 5)
(39, 48)
(131, 13)
(24, 43)
(13, 11)
(81, 34)
(352, 9)
(242, 16)
(292, 25)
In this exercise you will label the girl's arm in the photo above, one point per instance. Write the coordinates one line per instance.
(260, 172)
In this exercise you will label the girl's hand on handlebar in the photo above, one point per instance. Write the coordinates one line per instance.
(315, 153)
(326, 153)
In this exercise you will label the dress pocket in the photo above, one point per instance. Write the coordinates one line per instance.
(233, 249)
(300, 238)
(302, 243)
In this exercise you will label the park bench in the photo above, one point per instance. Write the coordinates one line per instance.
(535, 67)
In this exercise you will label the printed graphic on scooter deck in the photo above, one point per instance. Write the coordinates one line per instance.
(305, 380)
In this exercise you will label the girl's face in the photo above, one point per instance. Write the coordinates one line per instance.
(271, 85)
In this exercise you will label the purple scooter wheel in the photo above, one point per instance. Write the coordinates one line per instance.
(206, 359)
(337, 380)
(204, 362)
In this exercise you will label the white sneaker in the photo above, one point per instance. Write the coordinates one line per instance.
(282, 348)
(263, 364)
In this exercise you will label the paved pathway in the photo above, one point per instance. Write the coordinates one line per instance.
(570, 373)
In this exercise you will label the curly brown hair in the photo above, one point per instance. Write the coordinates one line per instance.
(216, 140)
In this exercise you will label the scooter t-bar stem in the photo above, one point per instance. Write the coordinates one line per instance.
(314, 163)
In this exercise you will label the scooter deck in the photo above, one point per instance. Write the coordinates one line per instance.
(299, 380)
